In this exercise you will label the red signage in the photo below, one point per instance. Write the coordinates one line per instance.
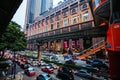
(113, 37)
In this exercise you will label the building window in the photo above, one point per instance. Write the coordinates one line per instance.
(74, 20)
(85, 16)
(58, 24)
(65, 14)
(82, 0)
(65, 22)
(84, 6)
(73, 11)
(46, 28)
(51, 26)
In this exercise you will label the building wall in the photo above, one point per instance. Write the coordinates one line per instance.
(78, 17)
(77, 12)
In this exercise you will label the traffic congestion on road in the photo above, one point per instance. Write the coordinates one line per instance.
(33, 69)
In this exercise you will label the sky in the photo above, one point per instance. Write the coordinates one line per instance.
(19, 16)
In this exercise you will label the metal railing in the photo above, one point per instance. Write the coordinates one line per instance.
(92, 47)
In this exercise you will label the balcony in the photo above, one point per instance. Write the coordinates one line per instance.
(67, 29)
(86, 25)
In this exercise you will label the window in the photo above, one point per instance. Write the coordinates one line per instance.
(85, 15)
(65, 22)
(84, 6)
(82, 0)
(73, 11)
(74, 20)
(51, 26)
(46, 28)
(58, 24)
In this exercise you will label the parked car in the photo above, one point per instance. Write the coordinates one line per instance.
(84, 73)
(25, 66)
(30, 71)
(70, 62)
(42, 63)
(65, 73)
(48, 69)
(74, 57)
(52, 65)
(99, 64)
(44, 76)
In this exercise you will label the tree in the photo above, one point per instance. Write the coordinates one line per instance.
(12, 39)
(39, 44)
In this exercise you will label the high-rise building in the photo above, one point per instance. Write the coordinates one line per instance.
(35, 8)
(46, 5)
(30, 11)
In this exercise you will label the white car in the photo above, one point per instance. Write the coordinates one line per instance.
(44, 76)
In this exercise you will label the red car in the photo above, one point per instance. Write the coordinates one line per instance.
(30, 71)
(47, 69)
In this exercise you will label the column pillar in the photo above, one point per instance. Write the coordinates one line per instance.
(61, 47)
(54, 44)
(49, 46)
(70, 43)
(81, 44)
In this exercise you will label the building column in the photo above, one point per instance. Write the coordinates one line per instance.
(61, 47)
(54, 44)
(49, 46)
(81, 44)
(70, 43)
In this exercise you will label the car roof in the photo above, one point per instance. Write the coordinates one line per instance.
(30, 68)
(44, 74)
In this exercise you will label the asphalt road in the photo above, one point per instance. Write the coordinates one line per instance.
(25, 77)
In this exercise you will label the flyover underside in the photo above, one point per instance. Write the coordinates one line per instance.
(7, 10)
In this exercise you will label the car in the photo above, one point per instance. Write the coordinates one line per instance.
(24, 59)
(70, 62)
(44, 76)
(52, 65)
(30, 71)
(74, 57)
(65, 73)
(47, 69)
(25, 66)
(42, 63)
(84, 73)
(99, 64)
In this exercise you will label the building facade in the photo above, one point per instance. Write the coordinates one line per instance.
(69, 25)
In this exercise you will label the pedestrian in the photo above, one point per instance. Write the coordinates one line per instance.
(70, 51)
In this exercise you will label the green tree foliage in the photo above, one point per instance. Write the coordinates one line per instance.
(12, 39)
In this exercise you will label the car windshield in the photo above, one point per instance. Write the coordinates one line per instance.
(48, 75)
